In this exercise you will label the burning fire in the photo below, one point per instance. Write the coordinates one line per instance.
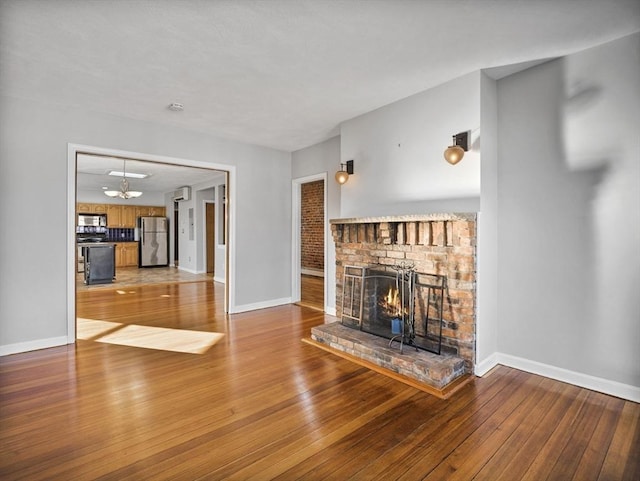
(392, 303)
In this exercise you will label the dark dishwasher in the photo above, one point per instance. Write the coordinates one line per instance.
(100, 264)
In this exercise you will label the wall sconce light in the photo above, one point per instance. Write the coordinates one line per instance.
(455, 152)
(345, 171)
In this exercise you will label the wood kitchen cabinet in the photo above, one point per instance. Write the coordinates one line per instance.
(150, 210)
(84, 208)
(126, 254)
(129, 216)
(121, 215)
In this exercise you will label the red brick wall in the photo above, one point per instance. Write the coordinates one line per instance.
(312, 225)
(443, 247)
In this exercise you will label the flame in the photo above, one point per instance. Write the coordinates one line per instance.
(392, 299)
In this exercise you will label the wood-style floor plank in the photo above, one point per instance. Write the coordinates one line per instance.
(261, 404)
(622, 460)
(312, 291)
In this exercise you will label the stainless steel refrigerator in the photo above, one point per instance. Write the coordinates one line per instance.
(154, 241)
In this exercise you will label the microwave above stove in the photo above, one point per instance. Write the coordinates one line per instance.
(92, 220)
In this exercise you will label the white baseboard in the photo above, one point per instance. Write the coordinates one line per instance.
(486, 365)
(312, 272)
(260, 305)
(219, 279)
(190, 271)
(613, 388)
(18, 347)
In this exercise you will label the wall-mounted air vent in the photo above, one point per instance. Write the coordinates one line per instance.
(183, 193)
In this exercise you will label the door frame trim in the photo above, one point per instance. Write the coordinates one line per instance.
(230, 264)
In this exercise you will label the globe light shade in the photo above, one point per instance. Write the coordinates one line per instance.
(453, 154)
(342, 176)
(345, 171)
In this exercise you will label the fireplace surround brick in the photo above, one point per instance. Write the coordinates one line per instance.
(442, 244)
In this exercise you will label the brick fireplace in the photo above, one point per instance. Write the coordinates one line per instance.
(438, 245)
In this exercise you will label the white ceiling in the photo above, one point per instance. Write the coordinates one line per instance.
(92, 173)
(278, 73)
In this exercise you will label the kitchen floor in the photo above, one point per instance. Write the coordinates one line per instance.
(134, 276)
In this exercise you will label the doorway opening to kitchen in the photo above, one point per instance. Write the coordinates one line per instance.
(197, 184)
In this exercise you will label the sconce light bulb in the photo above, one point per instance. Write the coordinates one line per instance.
(454, 154)
(342, 176)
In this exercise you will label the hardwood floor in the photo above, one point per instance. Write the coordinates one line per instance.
(261, 404)
(312, 292)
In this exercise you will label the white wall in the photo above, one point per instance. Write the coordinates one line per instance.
(33, 168)
(569, 213)
(192, 239)
(398, 154)
(317, 159)
(602, 135)
(202, 195)
(97, 197)
(220, 247)
(187, 247)
(487, 226)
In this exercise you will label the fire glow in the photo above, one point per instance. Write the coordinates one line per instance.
(392, 301)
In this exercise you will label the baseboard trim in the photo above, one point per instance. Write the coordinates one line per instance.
(190, 271)
(483, 367)
(261, 305)
(221, 280)
(605, 386)
(312, 272)
(19, 347)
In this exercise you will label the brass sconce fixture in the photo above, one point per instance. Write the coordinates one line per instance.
(455, 152)
(345, 171)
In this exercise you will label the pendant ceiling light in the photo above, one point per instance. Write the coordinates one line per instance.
(124, 191)
(454, 153)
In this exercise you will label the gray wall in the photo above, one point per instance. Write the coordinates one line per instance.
(33, 209)
(569, 213)
(398, 154)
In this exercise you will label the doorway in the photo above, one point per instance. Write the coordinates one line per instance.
(310, 241)
(181, 166)
(312, 244)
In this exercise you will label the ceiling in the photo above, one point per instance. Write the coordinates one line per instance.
(93, 174)
(278, 73)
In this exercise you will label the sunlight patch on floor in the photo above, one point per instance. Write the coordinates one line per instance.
(87, 329)
(147, 337)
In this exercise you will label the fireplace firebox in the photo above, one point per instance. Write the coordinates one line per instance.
(395, 302)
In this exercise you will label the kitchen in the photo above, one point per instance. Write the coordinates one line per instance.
(138, 220)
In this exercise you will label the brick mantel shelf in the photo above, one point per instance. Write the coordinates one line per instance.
(440, 216)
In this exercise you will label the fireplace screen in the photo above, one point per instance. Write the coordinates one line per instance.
(395, 302)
